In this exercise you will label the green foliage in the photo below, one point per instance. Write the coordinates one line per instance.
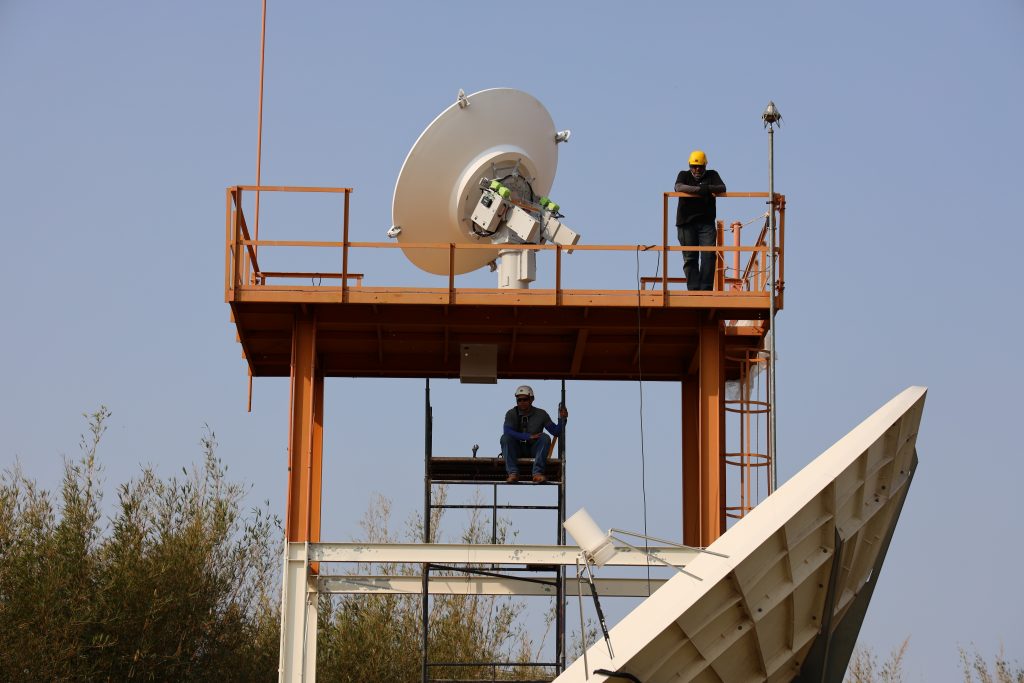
(179, 583)
(174, 587)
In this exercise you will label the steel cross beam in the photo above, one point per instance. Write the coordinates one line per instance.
(467, 553)
(480, 585)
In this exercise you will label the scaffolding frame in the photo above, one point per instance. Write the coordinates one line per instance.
(472, 474)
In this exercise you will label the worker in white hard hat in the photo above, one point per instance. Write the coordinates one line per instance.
(695, 220)
(524, 435)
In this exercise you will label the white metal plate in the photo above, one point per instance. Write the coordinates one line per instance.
(756, 613)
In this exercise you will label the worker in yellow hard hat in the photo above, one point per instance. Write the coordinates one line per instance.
(695, 220)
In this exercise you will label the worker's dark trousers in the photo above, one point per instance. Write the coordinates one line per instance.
(696, 234)
(513, 449)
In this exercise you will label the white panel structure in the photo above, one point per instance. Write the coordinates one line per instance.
(787, 600)
(489, 133)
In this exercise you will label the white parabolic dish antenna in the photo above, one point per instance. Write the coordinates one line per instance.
(785, 593)
(491, 133)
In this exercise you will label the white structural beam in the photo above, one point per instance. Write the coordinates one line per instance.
(298, 622)
(301, 587)
(481, 585)
(459, 553)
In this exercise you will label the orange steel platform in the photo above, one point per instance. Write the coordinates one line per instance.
(559, 333)
(597, 341)
(658, 332)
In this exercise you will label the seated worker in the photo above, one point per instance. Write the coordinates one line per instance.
(524, 435)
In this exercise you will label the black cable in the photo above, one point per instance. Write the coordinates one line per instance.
(616, 674)
(640, 373)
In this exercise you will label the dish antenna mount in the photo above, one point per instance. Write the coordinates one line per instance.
(480, 174)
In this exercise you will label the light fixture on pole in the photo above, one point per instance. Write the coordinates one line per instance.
(771, 118)
(597, 548)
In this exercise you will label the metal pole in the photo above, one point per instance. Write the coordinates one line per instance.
(259, 126)
(770, 117)
(771, 314)
(428, 448)
(560, 572)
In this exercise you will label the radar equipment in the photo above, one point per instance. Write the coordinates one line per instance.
(481, 174)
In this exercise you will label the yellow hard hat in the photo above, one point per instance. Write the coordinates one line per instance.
(698, 158)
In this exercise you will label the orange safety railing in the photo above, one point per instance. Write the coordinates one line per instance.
(756, 266)
(241, 271)
(242, 267)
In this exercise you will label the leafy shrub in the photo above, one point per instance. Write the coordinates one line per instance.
(175, 586)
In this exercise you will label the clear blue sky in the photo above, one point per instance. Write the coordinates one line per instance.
(121, 123)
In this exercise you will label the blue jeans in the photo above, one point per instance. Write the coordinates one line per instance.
(695, 234)
(513, 449)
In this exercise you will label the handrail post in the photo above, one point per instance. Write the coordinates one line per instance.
(762, 265)
(736, 228)
(664, 249)
(239, 272)
(720, 256)
(558, 274)
(344, 253)
(451, 272)
(228, 246)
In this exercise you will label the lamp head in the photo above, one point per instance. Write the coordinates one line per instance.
(596, 545)
(771, 115)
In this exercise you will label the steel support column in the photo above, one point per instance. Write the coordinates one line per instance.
(711, 412)
(302, 525)
(305, 435)
(691, 460)
(703, 420)
(297, 662)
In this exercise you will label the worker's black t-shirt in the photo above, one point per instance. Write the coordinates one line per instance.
(698, 208)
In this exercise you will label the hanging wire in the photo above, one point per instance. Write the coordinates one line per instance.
(640, 382)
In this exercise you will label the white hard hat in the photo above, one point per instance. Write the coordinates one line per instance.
(524, 391)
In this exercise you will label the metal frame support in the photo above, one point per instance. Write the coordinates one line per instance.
(428, 451)
(691, 460)
(302, 525)
(829, 656)
(297, 663)
(561, 598)
(703, 399)
(498, 554)
(305, 435)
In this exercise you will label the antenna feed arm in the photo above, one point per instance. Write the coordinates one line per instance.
(557, 232)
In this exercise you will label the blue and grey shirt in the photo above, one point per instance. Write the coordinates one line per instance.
(524, 425)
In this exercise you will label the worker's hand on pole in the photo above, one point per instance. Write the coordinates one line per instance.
(562, 412)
